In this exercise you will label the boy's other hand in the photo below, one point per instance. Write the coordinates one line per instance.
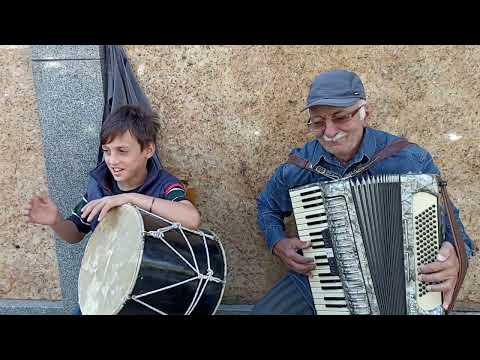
(102, 206)
(41, 210)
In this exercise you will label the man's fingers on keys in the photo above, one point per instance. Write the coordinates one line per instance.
(304, 244)
(300, 268)
(301, 259)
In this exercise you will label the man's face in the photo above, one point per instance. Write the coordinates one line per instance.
(339, 130)
(125, 159)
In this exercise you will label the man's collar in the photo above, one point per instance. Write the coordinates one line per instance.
(367, 150)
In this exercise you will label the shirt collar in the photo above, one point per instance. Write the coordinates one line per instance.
(367, 150)
(104, 178)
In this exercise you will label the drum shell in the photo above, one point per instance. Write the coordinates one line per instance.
(162, 267)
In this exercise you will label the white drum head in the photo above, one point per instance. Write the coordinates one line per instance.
(111, 262)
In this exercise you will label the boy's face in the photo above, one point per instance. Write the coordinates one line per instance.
(125, 159)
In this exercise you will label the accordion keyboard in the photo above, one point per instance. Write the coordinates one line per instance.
(310, 216)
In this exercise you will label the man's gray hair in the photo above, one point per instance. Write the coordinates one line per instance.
(362, 112)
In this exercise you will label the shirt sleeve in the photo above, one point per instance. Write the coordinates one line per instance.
(172, 188)
(175, 192)
(82, 225)
(273, 205)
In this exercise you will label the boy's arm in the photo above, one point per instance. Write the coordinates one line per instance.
(42, 210)
(182, 211)
(67, 230)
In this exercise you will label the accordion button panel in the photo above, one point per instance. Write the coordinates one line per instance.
(426, 244)
(310, 217)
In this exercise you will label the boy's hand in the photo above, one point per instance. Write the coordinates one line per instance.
(41, 210)
(102, 206)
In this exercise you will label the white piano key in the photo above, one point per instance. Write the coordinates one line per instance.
(325, 278)
(320, 293)
(320, 301)
(331, 311)
(322, 269)
(298, 203)
(314, 229)
(309, 216)
(309, 237)
(302, 216)
(315, 285)
(315, 208)
(298, 192)
(315, 222)
(307, 202)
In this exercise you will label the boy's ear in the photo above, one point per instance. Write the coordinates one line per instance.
(149, 150)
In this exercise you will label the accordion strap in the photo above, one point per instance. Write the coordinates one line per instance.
(458, 242)
(392, 149)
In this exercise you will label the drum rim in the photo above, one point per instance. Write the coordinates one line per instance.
(139, 261)
(140, 257)
(217, 239)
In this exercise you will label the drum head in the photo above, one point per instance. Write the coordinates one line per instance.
(111, 262)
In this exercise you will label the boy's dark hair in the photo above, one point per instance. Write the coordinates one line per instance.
(142, 124)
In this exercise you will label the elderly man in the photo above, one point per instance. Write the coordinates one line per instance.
(344, 145)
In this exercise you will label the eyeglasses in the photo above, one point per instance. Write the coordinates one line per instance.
(318, 123)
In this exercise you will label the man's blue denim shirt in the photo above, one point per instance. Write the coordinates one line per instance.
(274, 202)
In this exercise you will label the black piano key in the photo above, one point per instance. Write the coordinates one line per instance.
(331, 287)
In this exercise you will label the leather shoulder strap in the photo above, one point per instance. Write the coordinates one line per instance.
(300, 162)
(392, 149)
(458, 242)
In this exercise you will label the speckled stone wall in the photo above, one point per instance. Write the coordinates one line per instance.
(230, 116)
(28, 263)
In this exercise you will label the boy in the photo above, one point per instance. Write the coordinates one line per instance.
(129, 174)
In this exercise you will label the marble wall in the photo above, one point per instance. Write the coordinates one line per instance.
(28, 262)
(230, 116)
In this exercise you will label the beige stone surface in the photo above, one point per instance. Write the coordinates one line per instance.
(230, 115)
(28, 263)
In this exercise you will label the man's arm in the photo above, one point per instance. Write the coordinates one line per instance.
(273, 205)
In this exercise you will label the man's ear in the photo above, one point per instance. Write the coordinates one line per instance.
(149, 150)
(367, 115)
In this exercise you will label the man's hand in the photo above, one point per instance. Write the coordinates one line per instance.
(41, 210)
(102, 206)
(444, 270)
(286, 249)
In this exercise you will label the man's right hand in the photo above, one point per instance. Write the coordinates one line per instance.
(41, 210)
(286, 249)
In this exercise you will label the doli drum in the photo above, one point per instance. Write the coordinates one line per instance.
(139, 263)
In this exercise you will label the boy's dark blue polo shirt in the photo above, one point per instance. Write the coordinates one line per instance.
(158, 183)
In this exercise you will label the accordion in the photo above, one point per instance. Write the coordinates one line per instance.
(369, 236)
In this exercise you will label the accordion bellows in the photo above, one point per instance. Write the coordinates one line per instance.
(369, 236)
